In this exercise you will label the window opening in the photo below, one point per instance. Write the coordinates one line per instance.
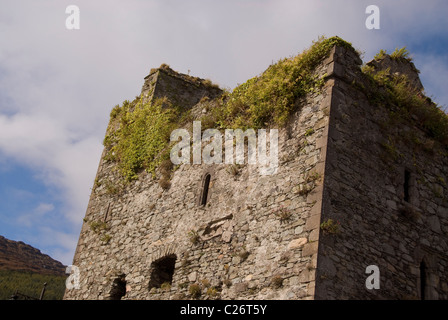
(407, 181)
(205, 190)
(118, 288)
(422, 280)
(162, 271)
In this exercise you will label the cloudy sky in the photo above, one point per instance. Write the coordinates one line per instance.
(57, 86)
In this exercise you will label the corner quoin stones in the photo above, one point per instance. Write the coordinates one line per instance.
(163, 244)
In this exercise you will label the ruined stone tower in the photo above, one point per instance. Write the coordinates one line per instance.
(360, 183)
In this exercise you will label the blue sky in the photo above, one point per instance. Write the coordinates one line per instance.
(57, 86)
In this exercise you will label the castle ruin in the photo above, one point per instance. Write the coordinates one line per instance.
(357, 186)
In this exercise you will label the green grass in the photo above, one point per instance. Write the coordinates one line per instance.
(401, 54)
(31, 284)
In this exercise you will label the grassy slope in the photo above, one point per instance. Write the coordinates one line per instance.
(31, 284)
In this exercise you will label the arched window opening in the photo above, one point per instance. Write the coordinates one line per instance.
(118, 288)
(205, 187)
(162, 271)
(423, 280)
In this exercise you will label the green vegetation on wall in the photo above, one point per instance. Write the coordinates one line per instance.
(401, 54)
(138, 133)
(270, 98)
(406, 102)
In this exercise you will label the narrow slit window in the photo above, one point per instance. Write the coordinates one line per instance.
(407, 185)
(423, 280)
(106, 215)
(205, 187)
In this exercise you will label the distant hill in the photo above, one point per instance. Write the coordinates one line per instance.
(25, 269)
(16, 255)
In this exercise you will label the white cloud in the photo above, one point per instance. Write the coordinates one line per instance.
(45, 145)
(43, 208)
(58, 244)
(35, 216)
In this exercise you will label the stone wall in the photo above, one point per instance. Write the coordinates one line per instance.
(260, 237)
(256, 237)
(181, 89)
(369, 151)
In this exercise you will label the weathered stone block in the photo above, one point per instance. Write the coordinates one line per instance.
(310, 249)
(297, 243)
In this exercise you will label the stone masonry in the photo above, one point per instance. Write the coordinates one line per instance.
(263, 237)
